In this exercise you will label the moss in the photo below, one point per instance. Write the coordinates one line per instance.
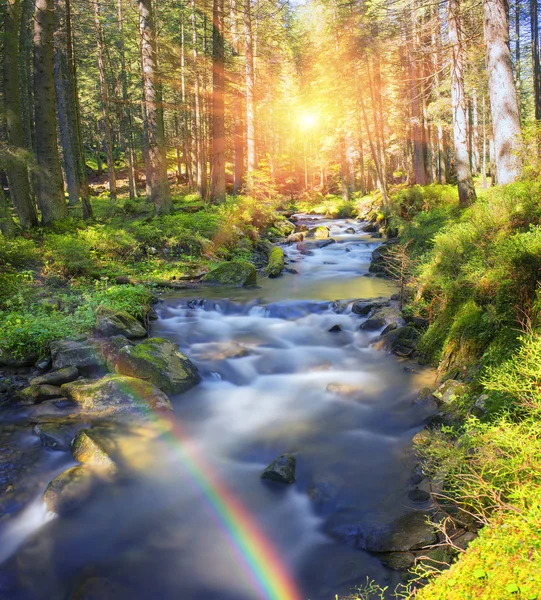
(276, 263)
(237, 274)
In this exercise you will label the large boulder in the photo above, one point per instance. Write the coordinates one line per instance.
(276, 262)
(402, 341)
(86, 355)
(59, 377)
(238, 274)
(160, 362)
(118, 322)
(412, 531)
(319, 233)
(282, 469)
(70, 490)
(117, 395)
(364, 307)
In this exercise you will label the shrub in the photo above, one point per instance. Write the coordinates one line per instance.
(69, 255)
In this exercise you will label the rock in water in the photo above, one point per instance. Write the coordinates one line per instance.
(319, 233)
(373, 324)
(409, 532)
(160, 362)
(238, 274)
(56, 435)
(118, 322)
(335, 329)
(282, 469)
(350, 230)
(276, 263)
(70, 490)
(87, 448)
(402, 341)
(116, 394)
(57, 377)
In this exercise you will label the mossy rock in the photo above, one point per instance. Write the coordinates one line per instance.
(276, 262)
(160, 362)
(319, 233)
(86, 355)
(282, 469)
(449, 391)
(70, 490)
(412, 531)
(88, 447)
(117, 394)
(237, 274)
(38, 393)
(402, 341)
(57, 377)
(118, 322)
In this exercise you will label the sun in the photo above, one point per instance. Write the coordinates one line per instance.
(308, 120)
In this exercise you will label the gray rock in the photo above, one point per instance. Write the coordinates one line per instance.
(479, 408)
(118, 322)
(282, 469)
(65, 375)
(335, 329)
(399, 561)
(402, 341)
(409, 532)
(86, 355)
(70, 490)
(160, 362)
(389, 328)
(56, 435)
(350, 230)
(449, 391)
(373, 324)
(425, 396)
(365, 307)
(418, 496)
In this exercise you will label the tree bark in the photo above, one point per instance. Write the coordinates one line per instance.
(197, 124)
(217, 192)
(50, 187)
(8, 228)
(503, 95)
(157, 184)
(250, 82)
(466, 189)
(100, 45)
(534, 21)
(17, 170)
(126, 119)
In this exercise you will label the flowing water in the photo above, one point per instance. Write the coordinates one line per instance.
(272, 373)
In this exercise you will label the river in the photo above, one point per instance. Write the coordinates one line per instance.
(196, 521)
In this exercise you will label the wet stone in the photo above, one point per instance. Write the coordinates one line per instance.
(418, 496)
(282, 469)
(59, 377)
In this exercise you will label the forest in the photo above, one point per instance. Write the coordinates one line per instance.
(235, 230)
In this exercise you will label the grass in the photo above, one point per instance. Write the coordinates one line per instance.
(53, 279)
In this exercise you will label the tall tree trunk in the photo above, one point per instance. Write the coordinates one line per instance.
(74, 115)
(17, 171)
(251, 163)
(126, 119)
(198, 125)
(157, 184)
(50, 187)
(100, 42)
(534, 21)
(503, 95)
(417, 124)
(8, 228)
(65, 109)
(217, 192)
(25, 72)
(186, 145)
(466, 189)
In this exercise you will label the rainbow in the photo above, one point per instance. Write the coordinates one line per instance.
(261, 561)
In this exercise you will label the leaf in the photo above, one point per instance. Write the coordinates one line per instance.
(512, 588)
(480, 573)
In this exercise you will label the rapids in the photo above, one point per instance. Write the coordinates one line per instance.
(267, 357)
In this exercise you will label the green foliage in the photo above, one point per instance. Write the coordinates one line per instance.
(69, 255)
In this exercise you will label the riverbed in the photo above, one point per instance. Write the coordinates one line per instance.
(275, 380)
